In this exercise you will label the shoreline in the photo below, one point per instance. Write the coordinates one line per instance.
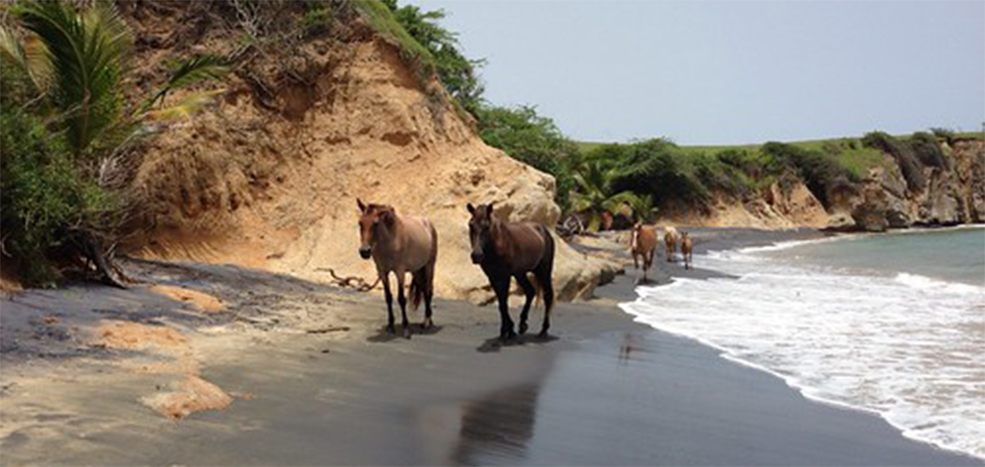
(815, 394)
(318, 383)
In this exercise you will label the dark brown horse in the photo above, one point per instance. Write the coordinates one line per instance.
(400, 244)
(508, 250)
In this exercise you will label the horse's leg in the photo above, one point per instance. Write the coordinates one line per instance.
(649, 258)
(544, 271)
(501, 285)
(636, 263)
(402, 300)
(530, 292)
(547, 287)
(646, 265)
(389, 302)
(425, 278)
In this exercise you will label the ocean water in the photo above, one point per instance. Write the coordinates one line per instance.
(893, 324)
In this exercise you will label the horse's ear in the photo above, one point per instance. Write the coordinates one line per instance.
(489, 210)
(362, 207)
(470, 208)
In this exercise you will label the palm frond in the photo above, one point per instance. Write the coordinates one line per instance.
(86, 52)
(194, 70)
(185, 108)
(616, 202)
(30, 56)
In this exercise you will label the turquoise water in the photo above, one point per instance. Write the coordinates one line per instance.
(952, 255)
(888, 323)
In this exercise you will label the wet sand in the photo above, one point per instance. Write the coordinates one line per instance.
(605, 391)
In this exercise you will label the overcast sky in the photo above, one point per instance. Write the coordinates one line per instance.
(728, 72)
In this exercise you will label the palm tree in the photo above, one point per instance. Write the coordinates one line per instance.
(593, 193)
(76, 61)
(643, 209)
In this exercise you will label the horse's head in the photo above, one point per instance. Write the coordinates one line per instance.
(480, 230)
(371, 217)
(635, 235)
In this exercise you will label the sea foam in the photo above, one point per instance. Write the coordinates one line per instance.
(909, 348)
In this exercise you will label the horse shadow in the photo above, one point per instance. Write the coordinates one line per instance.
(382, 335)
(495, 344)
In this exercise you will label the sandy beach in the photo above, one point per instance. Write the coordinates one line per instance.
(302, 374)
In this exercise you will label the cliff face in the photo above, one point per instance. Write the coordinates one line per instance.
(269, 178)
(775, 208)
(954, 194)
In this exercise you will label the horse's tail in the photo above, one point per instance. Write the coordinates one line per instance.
(422, 281)
(416, 290)
(548, 262)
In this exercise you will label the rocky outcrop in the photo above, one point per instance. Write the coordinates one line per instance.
(954, 193)
(269, 179)
(776, 208)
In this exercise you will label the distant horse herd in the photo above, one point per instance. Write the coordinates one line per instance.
(504, 250)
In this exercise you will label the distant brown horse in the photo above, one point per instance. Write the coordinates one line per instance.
(642, 245)
(400, 244)
(670, 242)
(687, 247)
(511, 249)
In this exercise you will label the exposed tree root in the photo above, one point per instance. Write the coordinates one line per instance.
(351, 282)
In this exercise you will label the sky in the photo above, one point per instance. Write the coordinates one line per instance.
(730, 71)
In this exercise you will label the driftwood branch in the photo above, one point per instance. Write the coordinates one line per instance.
(351, 282)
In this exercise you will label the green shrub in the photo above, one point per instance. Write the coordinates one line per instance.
(317, 18)
(531, 139)
(927, 149)
(749, 162)
(944, 134)
(821, 172)
(429, 46)
(43, 194)
(902, 153)
(656, 167)
(720, 177)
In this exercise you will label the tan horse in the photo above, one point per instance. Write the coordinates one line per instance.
(687, 248)
(400, 244)
(642, 245)
(670, 242)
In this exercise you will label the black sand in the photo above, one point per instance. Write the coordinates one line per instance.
(607, 391)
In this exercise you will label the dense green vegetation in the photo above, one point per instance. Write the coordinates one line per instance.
(596, 193)
(431, 48)
(531, 139)
(64, 124)
(667, 172)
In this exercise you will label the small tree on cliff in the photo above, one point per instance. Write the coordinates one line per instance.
(68, 69)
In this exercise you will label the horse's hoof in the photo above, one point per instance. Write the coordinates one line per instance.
(523, 328)
(391, 329)
(406, 333)
(543, 334)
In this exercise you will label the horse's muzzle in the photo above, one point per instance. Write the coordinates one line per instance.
(476, 258)
(365, 252)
